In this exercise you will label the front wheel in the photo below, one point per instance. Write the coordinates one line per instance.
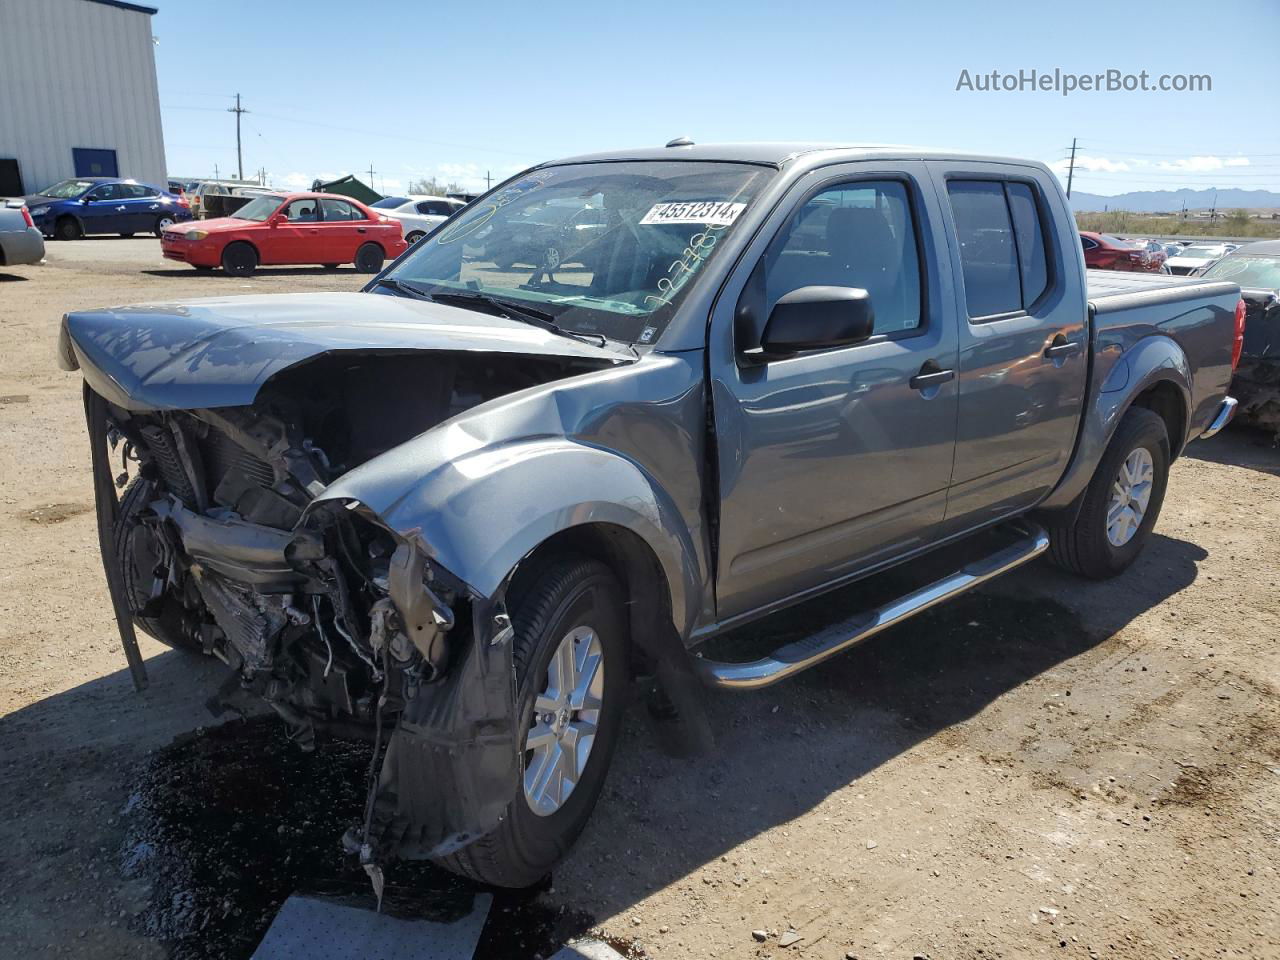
(369, 258)
(68, 228)
(572, 673)
(1121, 503)
(240, 259)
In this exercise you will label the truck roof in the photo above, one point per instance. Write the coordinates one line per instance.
(778, 154)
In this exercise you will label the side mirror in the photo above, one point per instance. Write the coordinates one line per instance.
(814, 318)
(86, 198)
(277, 219)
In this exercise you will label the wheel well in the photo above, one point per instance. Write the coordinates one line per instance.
(633, 562)
(1163, 398)
(242, 243)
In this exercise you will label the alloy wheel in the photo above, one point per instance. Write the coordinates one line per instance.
(566, 715)
(1130, 494)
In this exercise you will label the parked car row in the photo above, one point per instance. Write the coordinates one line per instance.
(1102, 251)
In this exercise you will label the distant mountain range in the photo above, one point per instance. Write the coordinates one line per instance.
(1168, 201)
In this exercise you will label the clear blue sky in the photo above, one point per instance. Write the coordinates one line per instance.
(455, 90)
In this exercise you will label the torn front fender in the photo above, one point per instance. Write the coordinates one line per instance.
(451, 765)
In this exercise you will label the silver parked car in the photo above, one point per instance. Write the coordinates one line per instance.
(20, 239)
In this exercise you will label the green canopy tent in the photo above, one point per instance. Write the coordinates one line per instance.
(348, 186)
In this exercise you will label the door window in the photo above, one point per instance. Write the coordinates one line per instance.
(1002, 246)
(339, 210)
(108, 191)
(435, 208)
(302, 211)
(859, 234)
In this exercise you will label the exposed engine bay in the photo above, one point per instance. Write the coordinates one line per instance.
(318, 608)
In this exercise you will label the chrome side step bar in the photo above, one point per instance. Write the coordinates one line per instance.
(826, 643)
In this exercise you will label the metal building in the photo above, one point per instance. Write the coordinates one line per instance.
(78, 93)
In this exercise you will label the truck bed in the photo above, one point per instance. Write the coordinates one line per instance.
(1110, 290)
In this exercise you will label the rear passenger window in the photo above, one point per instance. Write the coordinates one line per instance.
(1029, 235)
(1002, 248)
(339, 210)
(855, 235)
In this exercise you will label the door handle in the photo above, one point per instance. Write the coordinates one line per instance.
(931, 375)
(360, 230)
(1061, 348)
(119, 208)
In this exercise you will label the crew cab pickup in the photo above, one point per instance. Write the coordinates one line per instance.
(463, 509)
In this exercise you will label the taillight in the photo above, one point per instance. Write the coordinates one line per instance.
(26, 216)
(1238, 346)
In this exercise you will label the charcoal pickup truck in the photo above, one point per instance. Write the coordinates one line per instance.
(462, 512)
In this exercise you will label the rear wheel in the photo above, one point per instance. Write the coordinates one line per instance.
(414, 237)
(239, 259)
(1121, 503)
(369, 258)
(68, 228)
(572, 673)
(163, 224)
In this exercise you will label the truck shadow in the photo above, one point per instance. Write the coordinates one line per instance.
(1240, 445)
(237, 815)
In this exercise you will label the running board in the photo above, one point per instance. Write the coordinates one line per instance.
(826, 643)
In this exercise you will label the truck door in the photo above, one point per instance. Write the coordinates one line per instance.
(1022, 367)
(832, 460)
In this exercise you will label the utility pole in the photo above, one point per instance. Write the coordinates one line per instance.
(488, 181)
(1213, 211)
(237, 110)
(371, 176)
(1071, 168)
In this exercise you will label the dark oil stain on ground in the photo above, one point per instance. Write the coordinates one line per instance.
(227, 822)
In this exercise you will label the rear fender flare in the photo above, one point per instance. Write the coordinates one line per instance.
(1148, 362)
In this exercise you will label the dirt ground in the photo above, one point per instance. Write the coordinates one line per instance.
(1046, 768)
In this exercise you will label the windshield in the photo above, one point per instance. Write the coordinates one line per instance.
(1247, 271)
(67, 189)
(259, 208)
(606, 248)
(1201, 251)
(389, 203)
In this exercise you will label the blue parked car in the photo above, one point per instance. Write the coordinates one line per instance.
(86, 205)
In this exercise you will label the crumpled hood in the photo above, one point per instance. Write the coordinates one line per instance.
(219, 351)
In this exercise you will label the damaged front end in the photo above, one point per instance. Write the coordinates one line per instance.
(220, 540)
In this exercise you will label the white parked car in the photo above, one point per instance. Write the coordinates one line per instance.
(1195, 256)
(418, 215)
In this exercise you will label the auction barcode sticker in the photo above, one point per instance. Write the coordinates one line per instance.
(711, 212)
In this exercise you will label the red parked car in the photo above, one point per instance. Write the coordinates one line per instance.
(281, 228)
(1105, 252)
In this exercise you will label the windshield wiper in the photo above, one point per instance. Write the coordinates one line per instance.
(514, 311)
(401, 287)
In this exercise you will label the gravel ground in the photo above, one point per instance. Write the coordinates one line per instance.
(1046, 768)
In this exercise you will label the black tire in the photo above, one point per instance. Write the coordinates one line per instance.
(134, 551)
(239, 259)
(369, 258)
(504, 262)
(414, 237)
(68, 228)
(162, 224)
(126, 236)
(568, 593)
(1082, 546)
